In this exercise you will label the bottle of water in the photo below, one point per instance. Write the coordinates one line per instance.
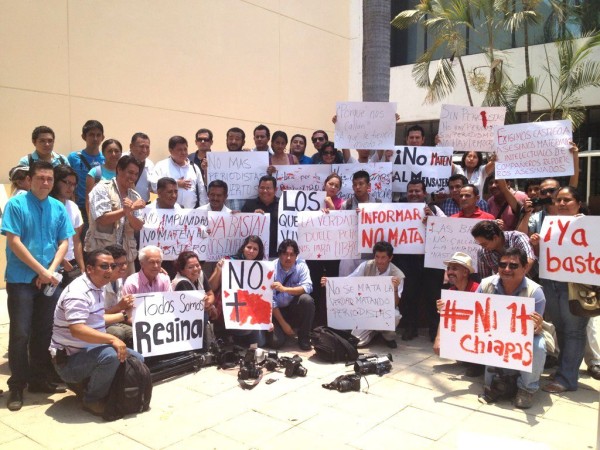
(49, 290)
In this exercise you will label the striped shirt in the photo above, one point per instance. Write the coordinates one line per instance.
(487, 260)
(81, 302)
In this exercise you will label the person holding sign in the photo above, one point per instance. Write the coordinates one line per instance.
(279, 156)
(266, 203)
(473, 167)
(452, 205)
(511, 280)
(292, 303)
(151, 277)
(570, 329)
(505, 203)
(332, 187)
(469, 196)
(217, 196)
(166, 189)
(297, 148)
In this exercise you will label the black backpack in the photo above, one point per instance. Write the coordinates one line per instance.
(334, 345)
(130, 391)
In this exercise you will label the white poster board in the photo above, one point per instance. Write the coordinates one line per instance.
(228, 231)
(363, 303)
(493, 330)
(240, 170)
(400, 224)
(570, 249)
(301, 177)
(365, 125)
(247, 295)
(290, 203)
(379, 173)
(168, 322)
(534, 150)
(468, 128)
(175, 231)
(431, 164)
(446, 236)
(331, 236)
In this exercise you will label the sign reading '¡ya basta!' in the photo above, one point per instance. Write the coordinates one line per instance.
(433, 165)
(489, 329)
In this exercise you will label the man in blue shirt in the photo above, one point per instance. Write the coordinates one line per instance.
(292, 303)
(37, 229)
(42, 138)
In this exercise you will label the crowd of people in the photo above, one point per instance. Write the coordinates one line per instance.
(74, 263)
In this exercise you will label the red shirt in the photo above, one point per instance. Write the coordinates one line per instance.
(477, 214)
(471, 287)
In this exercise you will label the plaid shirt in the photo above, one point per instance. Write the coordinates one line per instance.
(487, 264)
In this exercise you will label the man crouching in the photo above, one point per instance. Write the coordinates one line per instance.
(80, 346)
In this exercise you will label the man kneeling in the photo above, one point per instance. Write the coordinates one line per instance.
(80, 346)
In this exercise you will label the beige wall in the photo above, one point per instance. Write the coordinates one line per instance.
(171, 67)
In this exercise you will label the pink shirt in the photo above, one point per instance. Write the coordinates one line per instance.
(509, 218)
(139, 284)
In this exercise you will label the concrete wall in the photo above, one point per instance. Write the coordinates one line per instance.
(169, 68)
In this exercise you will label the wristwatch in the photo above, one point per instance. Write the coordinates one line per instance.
(125, 316)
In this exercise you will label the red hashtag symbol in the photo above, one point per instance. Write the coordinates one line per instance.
(451, 314)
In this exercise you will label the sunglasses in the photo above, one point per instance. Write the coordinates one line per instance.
(548, 191)
(318, 139)
(202, 140)
(106, 266)
(504, 265)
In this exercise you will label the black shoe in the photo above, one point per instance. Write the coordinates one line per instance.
(594, 371)
(46, 387)
(304, 345)
(15, 399)
(524, 399)
(474, 370)
(391, 343)
(409, 334)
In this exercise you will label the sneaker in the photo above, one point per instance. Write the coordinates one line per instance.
(524, 399)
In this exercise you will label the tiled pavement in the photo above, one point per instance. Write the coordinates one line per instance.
(425, 402)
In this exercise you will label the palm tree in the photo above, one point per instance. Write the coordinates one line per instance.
(376, 50)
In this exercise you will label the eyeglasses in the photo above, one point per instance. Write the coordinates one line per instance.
(106, 266)
(68, 183)
(504, 265)
(329, 153)
(548, 191)
(318, 139)
(202, 140)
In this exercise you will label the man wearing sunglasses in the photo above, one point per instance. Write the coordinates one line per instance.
(81, 348)
(204, 141)
(511, 280)
(319, 138)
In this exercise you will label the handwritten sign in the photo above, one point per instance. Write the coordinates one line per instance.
(364, 303)
(175, 231)
(446, 236)
(534, 150)
(431, 164)
(570, 249)
(247, 295)
(400, 224)
(290, 203)
(380, 174)
(332, 236)
(302, 177)
(240, 170)
(489, 329)
(468, 128)
(168, 322)
(365, 125)
(228, 231)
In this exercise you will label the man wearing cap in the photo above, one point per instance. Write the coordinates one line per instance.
(460, 267)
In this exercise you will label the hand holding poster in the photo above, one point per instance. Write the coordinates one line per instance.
(365, 125)
(400, 224)
(364, 303)
(445, 236)
(228, 231)
(380, 174)
(328, 236)
(290, 203)
(570, 249)
(534, 150)
(489, 329)
(174, 231)
(240, 170)
(433, 165)
(247, 295)
(301, 177)
(168, 322)
(468, 128)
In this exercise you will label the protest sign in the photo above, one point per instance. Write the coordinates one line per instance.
(328, 236)
(290, 203)
(363, 303)
(228, 231)
(174, 231)
(433, 165)
(570, 249)
(365, 125)
(489, 329)
(470, 128)
(534, 150)
(247, 295)
(380, 174)
(301, 177)
(168, 322)
(240, 170)
(446, 236)
(400, 224)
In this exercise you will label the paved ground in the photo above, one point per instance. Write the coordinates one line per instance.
(425, 402)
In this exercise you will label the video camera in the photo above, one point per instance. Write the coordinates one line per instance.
(372, 363)
(345, 383)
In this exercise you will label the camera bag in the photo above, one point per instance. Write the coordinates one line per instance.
(334, 345)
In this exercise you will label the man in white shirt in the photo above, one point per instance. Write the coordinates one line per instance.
(217, 196)
(140, 150)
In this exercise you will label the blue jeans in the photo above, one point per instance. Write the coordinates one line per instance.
(527, 381)
(570, 331)
(31, 316)
(99, 363)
